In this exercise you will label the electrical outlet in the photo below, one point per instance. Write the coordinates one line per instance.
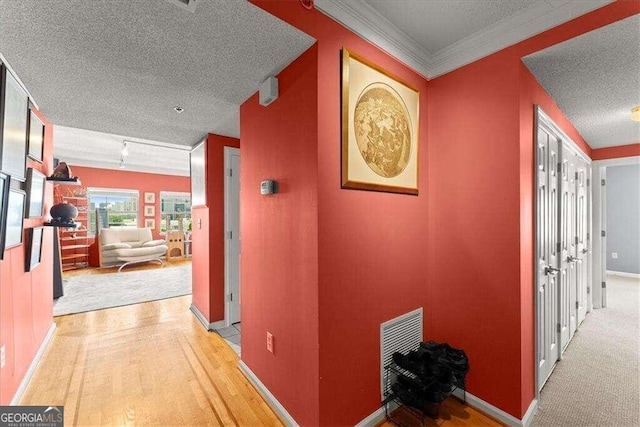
(3, 357)
(270, 342)
(614, 255)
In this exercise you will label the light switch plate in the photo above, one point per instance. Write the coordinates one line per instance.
(3, 357)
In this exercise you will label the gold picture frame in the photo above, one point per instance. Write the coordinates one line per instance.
(380, 115)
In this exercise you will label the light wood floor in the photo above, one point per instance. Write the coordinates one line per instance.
(154, 364)
(452, 413)
(144, 364)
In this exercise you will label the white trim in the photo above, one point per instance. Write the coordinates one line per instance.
(623, 274)
(228, 152)
(32, 367)
(477, 403)
(269, 398)
(599, 223)
(377, 417)
(208, 326)
(547, 121)
(521, 26)
(362, 19)
(15, 76)
(365, 21)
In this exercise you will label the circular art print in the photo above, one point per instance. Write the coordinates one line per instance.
(383, 130)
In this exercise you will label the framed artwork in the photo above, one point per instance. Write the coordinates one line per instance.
(14, 105)
(36, 137)
(150, 210)
(15, 217)
(150, 223)
(149, 197)
(5, 181)
(35, 193)
(379, 129)
(198, 175)
(34, 248)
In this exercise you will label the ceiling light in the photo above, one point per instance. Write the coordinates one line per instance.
(635, 114)
(178, 109)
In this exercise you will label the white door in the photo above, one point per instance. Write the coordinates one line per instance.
(568, 279)
(582, 249)
(547, 253)
(232, 238)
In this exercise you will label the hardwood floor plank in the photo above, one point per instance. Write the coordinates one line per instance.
(147, 364)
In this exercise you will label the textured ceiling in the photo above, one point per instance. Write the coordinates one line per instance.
(120, 66)
(437, 24)
(595, 80)
(79, 147)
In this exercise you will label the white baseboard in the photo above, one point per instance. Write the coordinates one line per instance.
(32, 367)
(266, 395)
(377, 417)
(475, 402)
(209, 326)
(623, 274)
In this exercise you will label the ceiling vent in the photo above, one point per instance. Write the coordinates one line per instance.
(189, 5)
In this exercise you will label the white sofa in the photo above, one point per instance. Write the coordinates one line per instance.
(124, 245)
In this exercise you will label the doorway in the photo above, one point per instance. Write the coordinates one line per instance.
(232, 237)
(562, 227)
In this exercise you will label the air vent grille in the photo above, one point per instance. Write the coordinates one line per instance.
(401, 334)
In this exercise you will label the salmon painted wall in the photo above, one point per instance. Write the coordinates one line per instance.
(26, 299)
(279, 267)
(482, 131)
(468, 244)
(616, 152)
(208, 262)
(139, 181)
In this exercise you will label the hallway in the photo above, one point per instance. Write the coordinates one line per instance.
(598, 381)
(144, 364)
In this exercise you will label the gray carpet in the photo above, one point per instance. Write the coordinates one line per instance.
(598, 381)
(97, 291)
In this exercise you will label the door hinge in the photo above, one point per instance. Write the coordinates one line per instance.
(576, 176)
(558, 247)
(588, 236)
(230, 234)
(602, 233)
(231, 297)
(577, 305)
(576, 240)
(230, 172)
(588, 289)
(559, 167)
(558, 327)
(604, 285)
(603, 182)
(588, 182)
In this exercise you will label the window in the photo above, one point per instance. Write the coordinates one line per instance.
(175, 208)
(121, 207)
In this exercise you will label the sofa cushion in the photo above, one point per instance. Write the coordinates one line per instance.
(141, 252)
(125, 235)
(115, 246)
(153, 243)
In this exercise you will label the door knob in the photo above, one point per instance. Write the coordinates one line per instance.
(551, 271)
(574, 259)
(584, 251)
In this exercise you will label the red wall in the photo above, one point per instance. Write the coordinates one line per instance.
(462, 248)
(279, 267)
(26, 299)
(127, 180)
(208, 241)
(616, 152)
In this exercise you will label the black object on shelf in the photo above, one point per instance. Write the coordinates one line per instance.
(62, 224)
(65, 181)
(418, 382)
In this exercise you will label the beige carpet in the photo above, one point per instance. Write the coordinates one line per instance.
(598, 381)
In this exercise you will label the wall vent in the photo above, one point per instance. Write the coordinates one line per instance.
(401, 334)
(189, 5)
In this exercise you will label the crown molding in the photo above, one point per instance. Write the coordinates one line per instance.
(521, 26)
(365, 21)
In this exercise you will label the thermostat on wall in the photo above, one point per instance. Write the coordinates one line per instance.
(268, 187)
